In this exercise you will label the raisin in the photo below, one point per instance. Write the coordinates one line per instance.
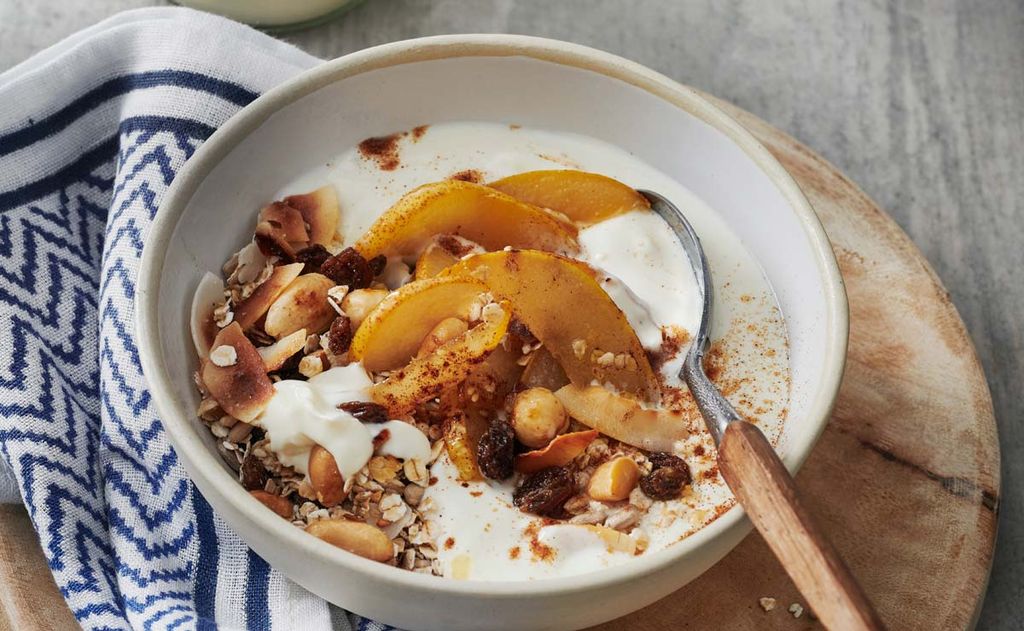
(313, 256)
(516, 327)
(377, 264)
(545, 492)
(381, 438)
(366, 412)
(348, 267)
(495, 453)
(340, 337)
(661, 459)
(665, 483)
(252, 474)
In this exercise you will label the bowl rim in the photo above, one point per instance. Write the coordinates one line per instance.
(176, 416)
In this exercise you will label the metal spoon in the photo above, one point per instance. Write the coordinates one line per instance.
(756, 475)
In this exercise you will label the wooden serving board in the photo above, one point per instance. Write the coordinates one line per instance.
(905, 478)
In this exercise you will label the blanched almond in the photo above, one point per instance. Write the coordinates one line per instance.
(445, 331)
(252, 308)
(355, 536)
(559, 452)
(302, 305)
(614, 480)
(243, 388)
(280, 505)
(324, 477)
(275, 355)
(359, 303)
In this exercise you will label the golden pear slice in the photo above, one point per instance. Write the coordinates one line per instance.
(624, 418)
(426, 377)
(391, 334)
(564, 306)
(478, 213)
(586, 198)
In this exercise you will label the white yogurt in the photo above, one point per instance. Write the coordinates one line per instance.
(646, 277)
(649, 279)
(302, 414)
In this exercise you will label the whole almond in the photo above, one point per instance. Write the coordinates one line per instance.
(325, 477)
(280, 505)
(355, 536)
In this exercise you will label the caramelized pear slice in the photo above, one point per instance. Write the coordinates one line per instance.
(444, 251)
(242, 389)
(320, 211)
(461, 435)
(426, 377)
(391, 334)
(543, 371)
(252, 308)
(624, 418)
(433, 261)
(564, 306)
(558, 453)
(586, 198)
(476, 212)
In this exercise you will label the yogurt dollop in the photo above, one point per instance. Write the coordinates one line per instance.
(302, 414)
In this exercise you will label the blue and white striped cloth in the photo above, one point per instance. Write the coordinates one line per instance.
(92, 132)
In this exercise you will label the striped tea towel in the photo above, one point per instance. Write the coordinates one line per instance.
(92, 131)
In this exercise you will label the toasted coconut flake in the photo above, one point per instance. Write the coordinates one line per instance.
(243, 388)
(559, 452)
(286, 219)
(320, 210)
(275, 355)
(252, 308)
(273, 241)
(209, 293)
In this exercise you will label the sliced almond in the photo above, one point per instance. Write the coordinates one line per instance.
(320, 210)
(242, 389)
(559, 452)
(250, 310)
(615, 540)
(287, 219)
(302, 305)
(275, 355)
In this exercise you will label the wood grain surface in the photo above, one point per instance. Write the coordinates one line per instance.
(919, 101)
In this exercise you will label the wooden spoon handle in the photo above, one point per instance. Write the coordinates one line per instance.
(766, 491)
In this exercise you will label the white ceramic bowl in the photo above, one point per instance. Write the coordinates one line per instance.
(506, 78)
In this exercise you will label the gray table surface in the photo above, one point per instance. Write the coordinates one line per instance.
(919, 102)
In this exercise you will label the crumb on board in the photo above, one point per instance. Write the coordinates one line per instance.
(767, 603)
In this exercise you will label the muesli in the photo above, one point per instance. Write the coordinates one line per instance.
(476, 382)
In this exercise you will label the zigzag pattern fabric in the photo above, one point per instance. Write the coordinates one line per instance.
(92, 132)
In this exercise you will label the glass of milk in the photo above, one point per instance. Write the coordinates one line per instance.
(275, 15)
